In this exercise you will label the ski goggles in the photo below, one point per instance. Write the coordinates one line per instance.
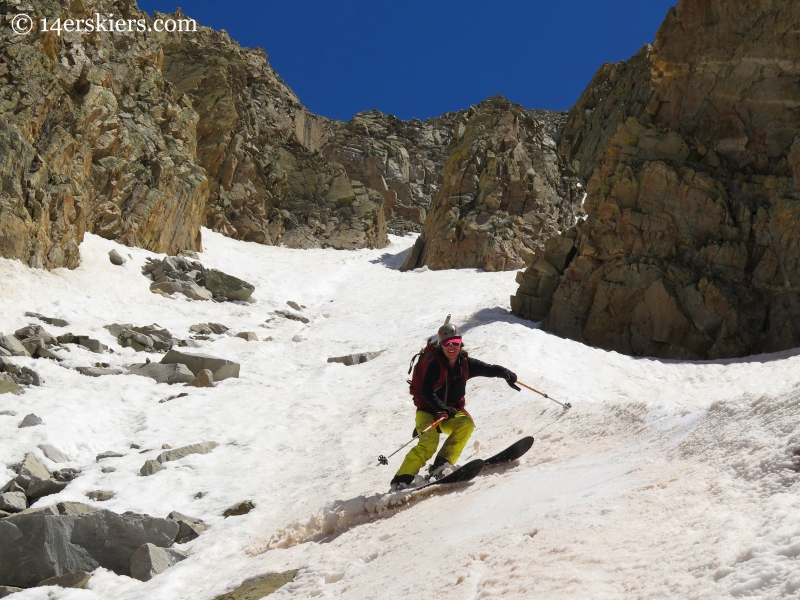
(451, 343)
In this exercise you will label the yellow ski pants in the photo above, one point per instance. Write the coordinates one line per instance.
(458, 430)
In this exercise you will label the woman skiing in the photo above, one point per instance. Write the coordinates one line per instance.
(438, 387)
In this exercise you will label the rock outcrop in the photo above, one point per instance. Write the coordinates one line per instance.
(268, 180)
(401, 160)
(93, 138)
(504, 192)
(691, 154)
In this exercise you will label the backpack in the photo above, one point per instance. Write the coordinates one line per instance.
(423, 358)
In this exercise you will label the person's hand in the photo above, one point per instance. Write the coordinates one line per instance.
(448, 413)
(511, 379)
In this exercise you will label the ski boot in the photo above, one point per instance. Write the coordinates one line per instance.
(440, 468)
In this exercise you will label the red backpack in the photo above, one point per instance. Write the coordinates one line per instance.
(429, 353)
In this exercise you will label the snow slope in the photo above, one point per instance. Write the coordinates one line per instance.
(665, 480)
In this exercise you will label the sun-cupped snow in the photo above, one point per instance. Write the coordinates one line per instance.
(666, 479)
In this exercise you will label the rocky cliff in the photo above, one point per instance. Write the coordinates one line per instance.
(402, 160)
(691, 155)
(504, 191)
(261, 150)
(92, 138)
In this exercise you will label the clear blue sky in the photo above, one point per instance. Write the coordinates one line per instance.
(421, 58)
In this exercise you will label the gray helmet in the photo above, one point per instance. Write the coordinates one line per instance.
(447, 330)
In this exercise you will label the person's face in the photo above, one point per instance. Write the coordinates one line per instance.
(451, 349)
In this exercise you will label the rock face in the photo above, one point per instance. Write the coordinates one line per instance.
(691, 154)
(268, 181)
(401, 160)
(93, 138)
(504, 192)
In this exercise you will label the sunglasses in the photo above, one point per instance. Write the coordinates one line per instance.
(451, 345)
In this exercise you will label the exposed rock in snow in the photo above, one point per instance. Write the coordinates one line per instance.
(163, 373)
(149, 560)
(178, 453)
(53, 453)
(191, 528)
(116, 258)
(74, 580)
(355, 359)
(30, 420)
(205, 378)
(237, 510)
(55, 322)
(219, 367)
(151, 467)
(259, 587)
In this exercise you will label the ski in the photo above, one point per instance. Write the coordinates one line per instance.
(462, 474)
(513, 452)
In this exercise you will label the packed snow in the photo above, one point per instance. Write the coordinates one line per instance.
(666, 479)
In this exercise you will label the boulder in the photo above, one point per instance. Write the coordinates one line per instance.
(149, 560)
(107, 454)
(163, 372)
(148, 338)
(44, 487)
(35, 331)
(294, 305)
(232, 288)
(290, 315)
(115, 258)
(100, 495)
(13, 345)
(13, 502)
(35, 546)
(205, 378)
(248, 336)
(220, 367)
(111, 538)
(92, 344)
(75, 580)
(74, 508)
(49, 320)
(178, 453)
(355, 359)
(259, 587)
(242, 508)
(30, 420)
(208, 328)
(190, 527)
(98, 371)
(32, 469)
(6, 590)
(12, 486)
(66, 474)
(8, 385)
(151, 467)
(53, 453)
(195, 292)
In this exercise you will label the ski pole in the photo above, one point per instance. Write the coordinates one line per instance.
(384, 460)
(566, 405)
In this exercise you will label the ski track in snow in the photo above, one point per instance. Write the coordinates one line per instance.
(667, 479)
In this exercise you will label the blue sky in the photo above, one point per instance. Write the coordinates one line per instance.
(422, 58)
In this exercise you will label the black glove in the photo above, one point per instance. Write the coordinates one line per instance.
(511, 379)
(448, 413)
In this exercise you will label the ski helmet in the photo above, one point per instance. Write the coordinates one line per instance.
(447, 332)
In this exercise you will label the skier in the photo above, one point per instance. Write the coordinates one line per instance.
(444, 369)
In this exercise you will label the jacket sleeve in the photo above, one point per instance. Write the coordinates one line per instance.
(478, 368)
(432, 372)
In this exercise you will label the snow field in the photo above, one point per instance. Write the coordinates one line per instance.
(665, 480)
